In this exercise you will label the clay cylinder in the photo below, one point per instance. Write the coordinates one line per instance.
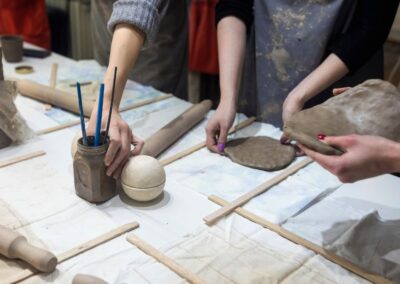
(12, 48)
(54, 97)
(170, 133)
(13, 245)
(91, 181)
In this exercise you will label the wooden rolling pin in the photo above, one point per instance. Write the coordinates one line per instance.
(53, 96)
(14, 245)
(170, 133)
(87, 279)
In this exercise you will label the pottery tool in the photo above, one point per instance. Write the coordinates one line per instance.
(225, 210)
(162, 258)
(82, 119)
(170, 133)
(99, 116)
(374, 278)
(111, 105)
(14, 245)
(78, 250)
(15, 160)
(122, 109)
(54, 97)
(200, 145)
(53, 75)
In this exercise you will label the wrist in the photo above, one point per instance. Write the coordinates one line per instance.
(392, 160)
(228, 99)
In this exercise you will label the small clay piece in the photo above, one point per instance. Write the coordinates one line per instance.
(24, 69)
(14, 245)
(87, 279)
(12, 47)
(170, 133)
(143, 178)
(260, 152)
(371, 108)
(91, 181)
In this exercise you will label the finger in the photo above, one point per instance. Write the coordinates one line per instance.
(342, 142)
(327, 162)
(113, 147)
(285, 140)
(123, 152)
(338, 91)
(138, 143)
(222, 138)
(211, 140)
(299, 152)
(118, 171)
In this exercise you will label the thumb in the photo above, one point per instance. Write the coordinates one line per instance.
(342, 142)
(222, 138)
(338, 91)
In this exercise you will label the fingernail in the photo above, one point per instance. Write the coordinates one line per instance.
(221, 147)
(321, 136)
(284, 141)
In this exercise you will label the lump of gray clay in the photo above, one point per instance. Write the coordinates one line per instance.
(371, 108)
(260, 152)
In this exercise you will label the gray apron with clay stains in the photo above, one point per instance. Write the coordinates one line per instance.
(287, 42)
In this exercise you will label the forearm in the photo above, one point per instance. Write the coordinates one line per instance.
(231, 49)
(331, 70)
(125, 48)
(391, 157)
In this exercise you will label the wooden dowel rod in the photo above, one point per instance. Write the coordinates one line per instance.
(53, 75)
(303, 242)
(200, 145)
(21, 158)
(26, 273)
(126, 108)
(162, 258)
(225, 210)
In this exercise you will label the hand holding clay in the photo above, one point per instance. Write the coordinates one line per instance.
(364, 157)
(14, 245)
(218, 126)
(121, 138)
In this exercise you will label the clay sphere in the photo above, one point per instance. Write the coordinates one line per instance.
(143, 178)
(74, 143)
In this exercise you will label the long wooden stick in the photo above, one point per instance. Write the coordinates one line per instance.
(303, 242)
(126, 108)
(26, 273)
(200, 145)
(225, 210)
(21, 158)
(162, 258)
(53, 75)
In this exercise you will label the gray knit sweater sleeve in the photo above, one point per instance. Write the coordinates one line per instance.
(144, 14)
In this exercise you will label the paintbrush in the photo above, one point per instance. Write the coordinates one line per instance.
(99, 116)
(111, 105)
(84, 139)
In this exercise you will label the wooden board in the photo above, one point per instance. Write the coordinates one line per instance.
(21, 158)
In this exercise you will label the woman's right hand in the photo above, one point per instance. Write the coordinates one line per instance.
(218, 126)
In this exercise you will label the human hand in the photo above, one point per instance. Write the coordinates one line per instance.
(365, 156)
(218, 126)
(121, 138)
(292, 104)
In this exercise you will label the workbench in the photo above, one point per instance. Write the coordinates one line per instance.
(37, 198)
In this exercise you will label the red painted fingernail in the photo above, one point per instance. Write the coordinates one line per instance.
(321, 136)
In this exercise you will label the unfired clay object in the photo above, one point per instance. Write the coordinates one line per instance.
(260, 152)
(87, 279)
(14, 245)
(371, 108)
(143, 178)
(12, 47)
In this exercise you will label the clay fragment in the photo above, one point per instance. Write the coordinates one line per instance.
(261, 152)
(371, 108)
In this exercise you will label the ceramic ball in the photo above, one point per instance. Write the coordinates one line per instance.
(143, 178)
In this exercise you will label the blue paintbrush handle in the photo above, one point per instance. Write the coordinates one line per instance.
(99, 115)
(84, 139)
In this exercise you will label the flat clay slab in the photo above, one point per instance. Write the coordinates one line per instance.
(261, 152)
